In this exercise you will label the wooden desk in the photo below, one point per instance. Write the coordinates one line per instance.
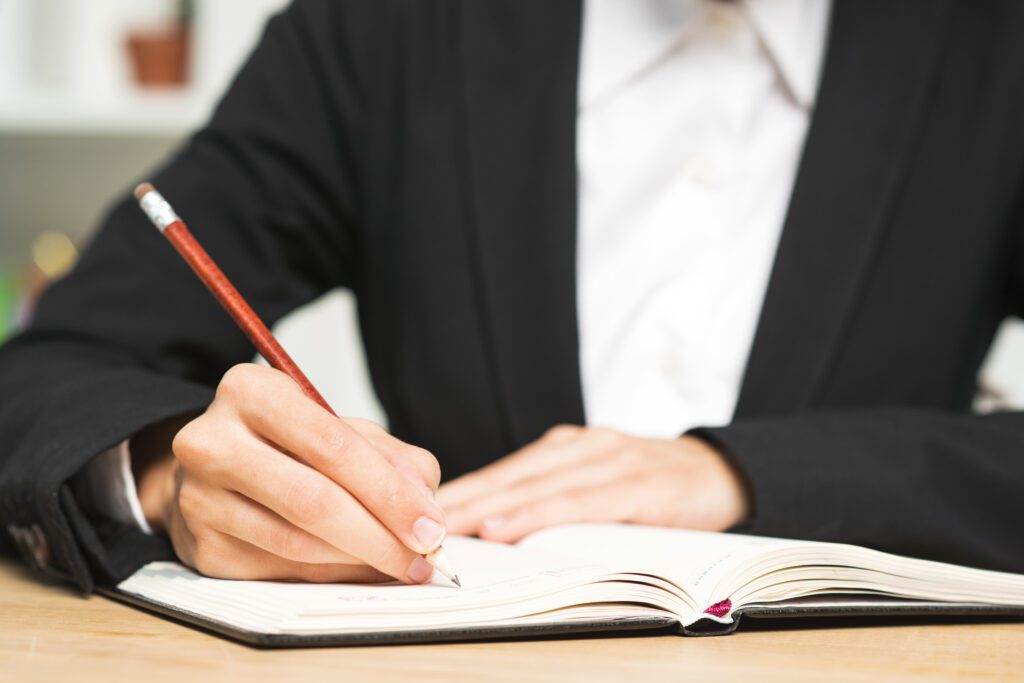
(50, 633)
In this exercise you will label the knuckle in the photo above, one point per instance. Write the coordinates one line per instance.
(426, 463)
(190, 501)
(239, 381)
(309, 505)
(603, 436)
(187, 441)
(206, 557)
(292, 543)
(390, 489)
(433, 471)
(560, 431)
(365, 426)
(334, 442)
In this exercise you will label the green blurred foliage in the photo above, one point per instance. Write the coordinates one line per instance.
(8, 297)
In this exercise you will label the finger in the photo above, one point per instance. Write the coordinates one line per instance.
(301, 495)
(181, 536)
(415, 464)
(224, 557)
(562, 447)
(279, 411)
(527, 461)
(596, 504)
(318, 505)
(245, 519)
(468, 518)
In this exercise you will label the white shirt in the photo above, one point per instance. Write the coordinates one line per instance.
(692, 119)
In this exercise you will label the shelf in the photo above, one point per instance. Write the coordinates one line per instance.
(128, 114)
(64, 70)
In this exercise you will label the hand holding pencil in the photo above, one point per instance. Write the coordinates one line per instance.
(270, 484)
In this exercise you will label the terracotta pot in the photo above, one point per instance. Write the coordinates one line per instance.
(160, 58)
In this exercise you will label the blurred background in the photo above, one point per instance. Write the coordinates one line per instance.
(95, 92)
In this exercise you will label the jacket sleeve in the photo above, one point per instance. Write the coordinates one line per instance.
(943, 486)
(131, 337)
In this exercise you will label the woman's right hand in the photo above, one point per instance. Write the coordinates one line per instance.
(266, 484)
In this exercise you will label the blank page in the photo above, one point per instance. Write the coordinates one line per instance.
(500, 583)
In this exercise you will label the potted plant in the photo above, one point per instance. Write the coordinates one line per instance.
(160, 56)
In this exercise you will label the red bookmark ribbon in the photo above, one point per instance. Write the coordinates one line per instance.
(719, 609)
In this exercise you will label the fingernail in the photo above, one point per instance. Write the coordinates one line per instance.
(420, 570)
(495, 523)
(428, 532)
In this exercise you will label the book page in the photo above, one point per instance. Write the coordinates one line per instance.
(712, 567)
(501, 584)
(576, 572)
(699, 562)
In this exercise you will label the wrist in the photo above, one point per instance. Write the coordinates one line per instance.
(154, 469)
(730, 488)
(155, 487)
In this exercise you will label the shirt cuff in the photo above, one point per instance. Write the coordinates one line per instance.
(105, 488)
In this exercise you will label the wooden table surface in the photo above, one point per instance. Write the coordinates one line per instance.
(50, 633)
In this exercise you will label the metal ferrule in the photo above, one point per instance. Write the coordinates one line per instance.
(158, 210)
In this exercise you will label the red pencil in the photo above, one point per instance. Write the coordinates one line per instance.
(173, 228)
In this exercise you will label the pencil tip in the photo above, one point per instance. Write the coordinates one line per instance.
(456, 581)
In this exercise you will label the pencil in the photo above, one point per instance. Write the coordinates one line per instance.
(173, 228)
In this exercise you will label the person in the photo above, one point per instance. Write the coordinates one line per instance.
(716, 265)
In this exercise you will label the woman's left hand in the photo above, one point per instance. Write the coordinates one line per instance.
(589, 474)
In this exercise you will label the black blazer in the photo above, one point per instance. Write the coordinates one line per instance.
(422, 153)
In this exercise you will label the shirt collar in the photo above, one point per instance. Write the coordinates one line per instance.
(794, 33)
(624, 38)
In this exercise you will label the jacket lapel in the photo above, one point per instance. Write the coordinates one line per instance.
(519, 78)
(519, 61)
(879, 66)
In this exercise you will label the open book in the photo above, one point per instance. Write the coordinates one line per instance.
(580, 578)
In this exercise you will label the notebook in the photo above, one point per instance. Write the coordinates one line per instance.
(580, 579)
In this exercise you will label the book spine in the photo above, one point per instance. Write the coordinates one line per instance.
(711, 627)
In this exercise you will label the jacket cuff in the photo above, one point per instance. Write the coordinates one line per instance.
(105, 489)
(38, 510)
(787, 479)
